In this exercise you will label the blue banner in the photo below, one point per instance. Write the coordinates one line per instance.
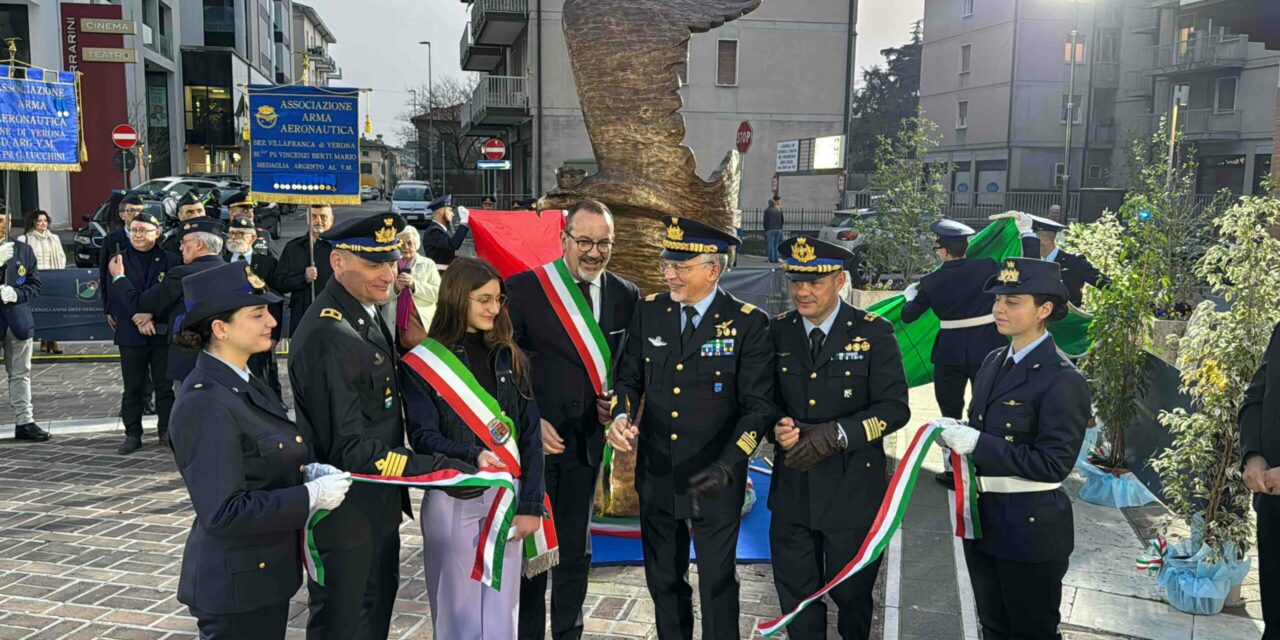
(69, 306)
(39, 120)
(304, 144)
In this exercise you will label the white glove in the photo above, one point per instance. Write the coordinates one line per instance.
(961, 439)
(1024, 223)
(912, 291)
(6, 252)
(8, 294)
(327, 492)
(319, 470)
(463, 215)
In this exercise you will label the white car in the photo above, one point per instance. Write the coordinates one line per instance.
(367, 193)
(840, 230)
(410, 200)
(179, 185)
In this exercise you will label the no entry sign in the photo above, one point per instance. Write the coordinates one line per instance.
(494, 149)
(745, 133)
(124, 136)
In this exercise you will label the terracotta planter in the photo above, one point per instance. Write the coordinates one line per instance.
(865, 299)
(1160, 332)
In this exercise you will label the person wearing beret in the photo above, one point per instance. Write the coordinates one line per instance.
(344, 371)
(841, 390)
(1026, 425)
(116, 242)
(143, 341)
(251, 478)
(240, 206)
(19, 285)
(437, 242)
(190, 206)
(703, 361)
(303, 269)
(1076, 270)
(241, 248)
(201, 246)
(954, 293)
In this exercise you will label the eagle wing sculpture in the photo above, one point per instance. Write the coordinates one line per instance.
(625, 55)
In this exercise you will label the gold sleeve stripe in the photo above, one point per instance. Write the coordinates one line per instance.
(748, 442)
(874, 428)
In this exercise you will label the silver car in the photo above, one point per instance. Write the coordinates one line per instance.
(840, 231)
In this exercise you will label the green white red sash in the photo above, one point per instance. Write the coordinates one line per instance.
(442, 369)
(889, 518)
(575, 314)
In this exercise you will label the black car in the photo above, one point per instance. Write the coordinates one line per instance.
(88, 241)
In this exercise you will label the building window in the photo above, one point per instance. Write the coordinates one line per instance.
(966, 8)
(1075, 109)
(1107, 47)
(366, 168)
(966, 51)
(1225, 96)
(1095, 172)
(962, 114)
(220, 23)
(1066, 52)
(727, 63)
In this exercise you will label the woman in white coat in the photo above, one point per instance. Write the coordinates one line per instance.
(418, 280)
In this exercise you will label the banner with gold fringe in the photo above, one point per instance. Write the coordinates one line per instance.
(40, 120)
(304, 144)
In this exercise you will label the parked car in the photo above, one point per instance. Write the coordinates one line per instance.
(410, 200)
(179, 185)
(368, 193)
(88, 240)
(840, 231)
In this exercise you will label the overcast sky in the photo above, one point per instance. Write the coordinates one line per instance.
(378, 47)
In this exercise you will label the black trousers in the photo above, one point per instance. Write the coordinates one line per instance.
(1015, 600)
(139, 366)
(359, 593)
(665, 541)
(267, 623)
(804, 560)
(949, 382)
(1268, 509)
(571, 485)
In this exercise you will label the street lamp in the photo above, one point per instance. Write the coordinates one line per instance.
(431, 121)
(1071, 115)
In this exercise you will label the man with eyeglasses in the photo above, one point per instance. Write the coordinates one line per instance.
(574, 406)
(703, 362)
(955, 294)
(303, 269)
(842, 390)
(143, 342)
(240, 205)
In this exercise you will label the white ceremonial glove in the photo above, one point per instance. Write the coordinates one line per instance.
(319, 470)
(912, 291)
(6, 252)
(327, 492)
(463, 215)
(961, 439)
(8, 294)
(1024, 223)
(948, 422)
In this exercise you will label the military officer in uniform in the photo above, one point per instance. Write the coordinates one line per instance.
(19, 285)
(190, 206)
(343, 370)
(303, 269)
(1076, 270)
(242, 240)
(1260, 459)
(1026, 425)
(240, 206)
(841, 390)
(703, 361)
(437, 241)
(114, 244)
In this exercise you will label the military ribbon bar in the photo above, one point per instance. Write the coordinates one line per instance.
(575, 315)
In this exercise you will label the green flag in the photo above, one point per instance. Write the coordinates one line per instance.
(998, 241)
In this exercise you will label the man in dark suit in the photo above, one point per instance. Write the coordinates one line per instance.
(115, 243)
(703, 362)
(1260, 460)
(303, 269)
(437, 242)
(190, 206)
(201, 246)
(1076, 270)
(143, 343)
(242, 240)
(19, 285)
(574, 411)
(842, 389)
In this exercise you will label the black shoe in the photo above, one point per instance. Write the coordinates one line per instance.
(148, 407)
(164, 441)
(130, 444)
(30, 432)
(946, 479)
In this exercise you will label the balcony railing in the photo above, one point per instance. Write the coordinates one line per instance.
(1102, 133)
(1201, 124)
(497, 100)
(465, 43)
(1106, 75)
(1200, 53)
(498, 22)
(1136, 84)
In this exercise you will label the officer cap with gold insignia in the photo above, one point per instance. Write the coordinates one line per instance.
(201, 225)
(372, 238)
(950, 231)
(222, 289)
(240, 199)
(808, 258)
(686, 239)
(1027, 276)
(241, 222)
(190, 198)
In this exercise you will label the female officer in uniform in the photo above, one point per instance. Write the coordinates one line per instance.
(244, 463)
(1026, 425)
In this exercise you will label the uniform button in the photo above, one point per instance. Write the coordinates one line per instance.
(646, 358)
(812, 402)
(979, 417)
(279, 445)
(674, 437)
(1031, 519)
(1008, 426)
(784, 369)
(199, 385)
(680, 367)
(298, 439)
(675, 414)
(813, 376)
(868, 465)
(717, 374)
(262, 565)
(848, 373)
(676, 391)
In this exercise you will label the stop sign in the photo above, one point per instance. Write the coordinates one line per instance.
(124, 136)
(744, 136)
(494, 149)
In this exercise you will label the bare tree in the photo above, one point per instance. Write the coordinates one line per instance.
(445, 101)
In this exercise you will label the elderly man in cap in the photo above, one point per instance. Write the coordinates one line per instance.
(842, 390)
(190, 206)
(242, 237)
(703, 361)
(303, 269)
(19, 285)
(343, 369)
(438, 243)
(143, 342)
(116, 243)
(1076, 270)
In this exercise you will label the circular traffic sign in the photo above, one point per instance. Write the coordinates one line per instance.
(124, 136)
(774, 186)
(841, 179)
(494, 149)
(745, 134)
(124, 160)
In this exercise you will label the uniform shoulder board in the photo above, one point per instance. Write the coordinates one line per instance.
(781, 316)
(330, 312)
(747, 308)
(870, 317)
(160, 278)
(651, 297)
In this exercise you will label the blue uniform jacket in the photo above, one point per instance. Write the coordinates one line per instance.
(21, 274)
(1032, 427)
(142, 270)
(242, 461)
(165, 301)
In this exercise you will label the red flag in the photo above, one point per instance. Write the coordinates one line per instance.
(515, 241)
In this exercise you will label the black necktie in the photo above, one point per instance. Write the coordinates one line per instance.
(687, 334)
(258, 384)
(1005, 369)
(585, 287)
(816, 338)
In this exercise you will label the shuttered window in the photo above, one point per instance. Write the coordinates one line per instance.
(727, 63)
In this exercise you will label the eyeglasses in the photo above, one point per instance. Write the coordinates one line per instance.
(680, 269)
(133, 210)
(585, 244)
(141, 231)
(241, 235)
(486, 301)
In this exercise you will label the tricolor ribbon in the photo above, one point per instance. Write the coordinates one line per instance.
(494, 531)
(1152, 559)
(892, 509)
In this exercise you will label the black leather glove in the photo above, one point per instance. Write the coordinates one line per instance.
(461, 493)
(817, 443)
(709, 482)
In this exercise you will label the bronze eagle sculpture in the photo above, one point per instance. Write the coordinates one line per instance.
(625, 56)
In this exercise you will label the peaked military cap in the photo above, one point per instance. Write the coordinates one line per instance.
(1027, 276)
(223, 288)
(686, 239)
(372, 238)
(808, 258)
